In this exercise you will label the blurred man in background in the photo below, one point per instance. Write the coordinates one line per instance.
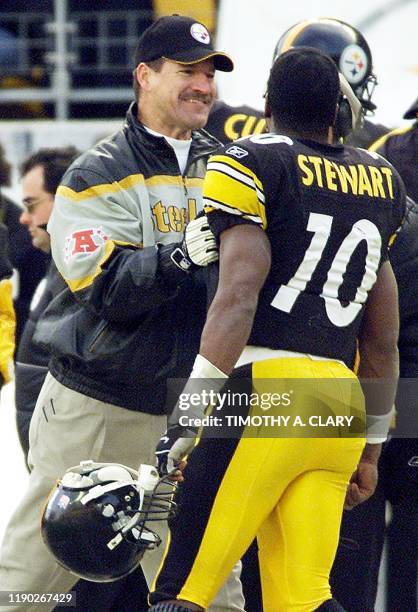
(29, 263)
(41, 174)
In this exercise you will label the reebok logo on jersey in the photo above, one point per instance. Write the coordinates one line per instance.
(237, 152)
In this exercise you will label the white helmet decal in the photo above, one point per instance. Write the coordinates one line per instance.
(200, 33)
(353, 64)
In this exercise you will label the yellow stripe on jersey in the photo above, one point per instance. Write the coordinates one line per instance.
(234, 188)
(76, 284)
(126, 183)
(244, 170)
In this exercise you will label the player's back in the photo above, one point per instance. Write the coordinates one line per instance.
(329, 212)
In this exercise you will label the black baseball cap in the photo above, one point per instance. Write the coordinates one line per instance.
(181, 39)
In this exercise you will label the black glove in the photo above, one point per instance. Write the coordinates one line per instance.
(179, 440)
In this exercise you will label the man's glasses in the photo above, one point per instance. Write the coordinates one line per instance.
(29, 204)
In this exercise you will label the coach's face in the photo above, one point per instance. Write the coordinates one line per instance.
(177, 98)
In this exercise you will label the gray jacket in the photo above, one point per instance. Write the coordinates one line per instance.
(121, 328)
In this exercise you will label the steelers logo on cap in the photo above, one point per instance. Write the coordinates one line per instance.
(200, 33)
(353, 64)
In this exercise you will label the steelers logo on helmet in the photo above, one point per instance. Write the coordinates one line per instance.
(344, 44)
(354, 64)
(200, 33)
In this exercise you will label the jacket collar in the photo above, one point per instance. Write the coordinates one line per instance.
(203, 143)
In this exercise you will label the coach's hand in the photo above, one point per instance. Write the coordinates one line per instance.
(174, 446)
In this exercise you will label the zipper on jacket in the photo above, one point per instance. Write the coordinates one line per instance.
(183, 178)
(102, 331)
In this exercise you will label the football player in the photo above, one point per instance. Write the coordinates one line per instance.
(304, 227)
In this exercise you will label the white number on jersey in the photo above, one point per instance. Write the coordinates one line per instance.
(320, 225)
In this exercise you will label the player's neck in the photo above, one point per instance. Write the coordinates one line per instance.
(324, 137)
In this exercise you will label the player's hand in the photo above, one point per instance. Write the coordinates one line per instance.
(362, 485)
(174, 445)
(198, 248)
(199, 242)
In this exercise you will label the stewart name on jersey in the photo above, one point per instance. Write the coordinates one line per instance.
(331, 213)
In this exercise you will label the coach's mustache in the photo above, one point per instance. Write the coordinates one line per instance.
(196, 96)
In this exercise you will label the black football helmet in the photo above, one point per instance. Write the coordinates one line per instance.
(351, 53)
(96, 519)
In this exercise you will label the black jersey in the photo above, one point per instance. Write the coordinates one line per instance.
(330, 212)
(227, 123)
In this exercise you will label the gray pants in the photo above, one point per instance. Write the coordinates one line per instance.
(71, 428)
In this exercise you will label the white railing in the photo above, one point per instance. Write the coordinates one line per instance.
(83, 56)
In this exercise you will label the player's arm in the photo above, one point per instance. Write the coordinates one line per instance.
(379, 371)
(245, 260)
(235, 205)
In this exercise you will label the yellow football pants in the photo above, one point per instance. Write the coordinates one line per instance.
(286, 491)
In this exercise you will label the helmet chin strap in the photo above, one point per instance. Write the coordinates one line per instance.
(354, 102)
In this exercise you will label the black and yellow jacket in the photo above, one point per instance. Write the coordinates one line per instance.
(121, 327)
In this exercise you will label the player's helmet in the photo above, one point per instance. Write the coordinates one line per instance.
(95, 520)
(347, 47)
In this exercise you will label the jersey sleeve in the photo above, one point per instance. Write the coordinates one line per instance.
(96, 243)
(233, 193)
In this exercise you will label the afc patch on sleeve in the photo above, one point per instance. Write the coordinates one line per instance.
(84, 241)
(236, 151)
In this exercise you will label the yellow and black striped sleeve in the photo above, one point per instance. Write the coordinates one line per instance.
(234, 188)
